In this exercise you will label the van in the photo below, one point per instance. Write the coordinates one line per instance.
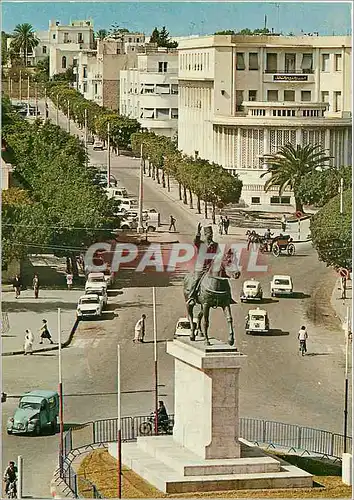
(117, 193)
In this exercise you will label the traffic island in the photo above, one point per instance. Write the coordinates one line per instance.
(206, 452)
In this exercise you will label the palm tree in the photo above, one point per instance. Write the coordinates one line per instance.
(24, 39)
(290, 164)
(101, 34)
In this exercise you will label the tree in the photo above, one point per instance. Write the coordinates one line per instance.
(155, 36)
(24, 40)
(290, 164)
(4, 52)
(42, 70)
(331, 232)
(101, 34)
(317, 188)
(162, 38)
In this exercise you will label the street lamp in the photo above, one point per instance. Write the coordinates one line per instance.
(68, 102)
(108, 155)
(140, 227)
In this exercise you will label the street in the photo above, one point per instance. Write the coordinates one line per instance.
(275, 384)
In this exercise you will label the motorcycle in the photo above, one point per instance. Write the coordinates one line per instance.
(148, 428)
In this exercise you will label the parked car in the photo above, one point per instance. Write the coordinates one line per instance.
(251, 290)
(36, 410)
(183, 328)
(117, 193)
(281, 285)
(98, 145)
(97, 280)
(89, 306)
(128, 204)
(257, 321)
(90, 139)
(102, 294)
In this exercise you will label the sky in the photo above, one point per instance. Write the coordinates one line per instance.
(186, 18)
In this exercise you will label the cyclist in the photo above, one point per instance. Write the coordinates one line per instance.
(303, 336)
(10, 476)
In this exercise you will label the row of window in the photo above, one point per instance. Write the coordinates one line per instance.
(159, 113)
(274, 200)
(196, 61)
(306, 65)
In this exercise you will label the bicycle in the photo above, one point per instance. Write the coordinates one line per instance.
(12, 490)
(302, 348)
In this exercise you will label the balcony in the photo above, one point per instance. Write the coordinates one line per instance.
(290, 72)
(285, 75)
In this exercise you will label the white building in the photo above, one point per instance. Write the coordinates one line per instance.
(66, 42)
(241, 97)
(39, 53)
(149, 92)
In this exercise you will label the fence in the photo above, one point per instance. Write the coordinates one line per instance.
(260, 432)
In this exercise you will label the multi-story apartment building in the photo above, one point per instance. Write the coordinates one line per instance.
(66, 42)
(241, 97)
(149, 92)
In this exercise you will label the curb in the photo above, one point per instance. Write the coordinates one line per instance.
(46, 349)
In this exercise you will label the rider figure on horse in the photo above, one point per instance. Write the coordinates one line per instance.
(210, 248)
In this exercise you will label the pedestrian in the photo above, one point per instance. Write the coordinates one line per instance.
(45, 332)
(303, 336)
(226, 223)
(46, 111)
(283, 223)
(172, 223)
(221, 224)
(140, 329)
(17, 284)
(69, 280)
(35, 284)
(29, 339)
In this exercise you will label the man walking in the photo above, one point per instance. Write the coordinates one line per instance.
(172, 223)
(35, 284)
(226, 223)
(17, 284)
(45, 332)
(283, 223)
(69, 280)
(221, 225)
(140, 329)
(303, 336)
(29, 339)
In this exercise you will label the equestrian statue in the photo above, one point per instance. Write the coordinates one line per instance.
(208, 284)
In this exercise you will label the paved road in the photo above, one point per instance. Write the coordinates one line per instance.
(275, 384)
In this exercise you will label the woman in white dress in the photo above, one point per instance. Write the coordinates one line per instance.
(29, 339)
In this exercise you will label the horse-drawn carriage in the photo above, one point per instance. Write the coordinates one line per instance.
(275, 245)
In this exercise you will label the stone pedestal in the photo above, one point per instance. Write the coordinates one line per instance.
(206, 397)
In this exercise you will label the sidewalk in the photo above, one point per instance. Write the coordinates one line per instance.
(26, 312)
(342, 306)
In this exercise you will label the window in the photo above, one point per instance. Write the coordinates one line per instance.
(162, 67)
(85, 87)
(253, 61)
(174, 113)
(149, 88)
(174, 88)
(63, 62)
(80, 38)
(325, 63)
(137, 40)
(66, 37)
(163, 114)
(255, 200)
(306, 63)
(338, 62)
(148, 113)
(54, 36)
(280, 200)
(44, 49)
(290, 62)
(272, 95)
(252, 95)
(337, 101)
(239, 100)
(325, 96)
(240, 61)
(84, 74)
(162, 88)
(129, 40)
(289, 95)
(96, 88)
(272, 62)
(306, 95)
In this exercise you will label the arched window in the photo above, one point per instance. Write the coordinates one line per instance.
(63, 62)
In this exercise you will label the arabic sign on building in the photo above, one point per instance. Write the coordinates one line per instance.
(290, 78)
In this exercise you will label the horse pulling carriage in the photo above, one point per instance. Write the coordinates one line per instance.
(276, 245)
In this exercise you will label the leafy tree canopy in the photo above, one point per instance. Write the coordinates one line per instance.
(245, 31)
(162, 38)
(317, 188)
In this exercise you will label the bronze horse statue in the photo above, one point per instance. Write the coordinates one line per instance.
(213, 290)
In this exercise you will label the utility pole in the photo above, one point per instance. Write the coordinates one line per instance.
(10, 90)
(155, 361)
(19, 476)
(140, 227)
(20, 89)
(346, 381)
(8, 86)
(85, 134)
(68, 116)
(46, 104)
(57, 111)
(119, 436)
(28, 95)
(61, 416)
(108, 155)
(341, 185)
(36, 97)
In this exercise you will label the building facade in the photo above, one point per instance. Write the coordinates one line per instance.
(241, 97)
(149, 92)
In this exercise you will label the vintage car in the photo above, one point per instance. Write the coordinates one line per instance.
(89, 306)
(97, 280)
(102, 294)
(36, 410)
(183, 328)
(251, 290)
(257, 321)
(281, 285)
(98, 145)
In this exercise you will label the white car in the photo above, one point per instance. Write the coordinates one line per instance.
(98, 145)
(183, 328)
(97, 281)
(251, 290)
(281, 285)
(89, 306)
(117, 193)
(102, 294)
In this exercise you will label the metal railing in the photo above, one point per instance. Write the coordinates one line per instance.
(258, 431)
(289, 71)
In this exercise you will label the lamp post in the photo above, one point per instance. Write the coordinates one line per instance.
(341, 184)
(36, 97)
(57, 111)
(85, 134)
(346, 381)
(155, 359)
(108, 155)
(20, 88)
(28, 95)
(119, 436)
(140, 227)
(61, 406)
(68, 112)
